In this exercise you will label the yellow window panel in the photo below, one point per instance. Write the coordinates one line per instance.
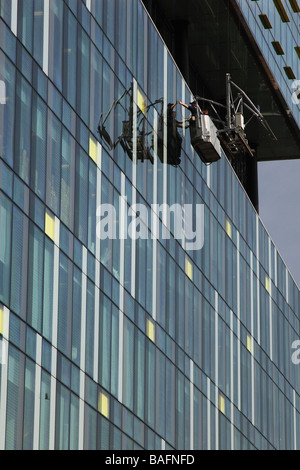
(103, 404)
(150, 330)
(188, 268)
(93, 150)
(268, 285)
(228, 228)
(222, 404)
(249, 343)
(141, 102)
(1, 320)
(50, 225)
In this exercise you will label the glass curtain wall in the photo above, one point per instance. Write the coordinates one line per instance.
(128, 342)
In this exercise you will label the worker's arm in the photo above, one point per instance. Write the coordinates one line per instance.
(183, 104)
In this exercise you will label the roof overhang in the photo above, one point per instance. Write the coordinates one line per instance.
(220, 42)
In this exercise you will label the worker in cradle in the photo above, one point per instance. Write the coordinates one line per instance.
(193, 108)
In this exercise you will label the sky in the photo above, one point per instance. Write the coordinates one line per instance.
(279, 209)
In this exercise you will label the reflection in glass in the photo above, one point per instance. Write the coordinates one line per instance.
(137, 136)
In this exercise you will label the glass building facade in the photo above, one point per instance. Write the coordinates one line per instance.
(275, 27)
(127, 342)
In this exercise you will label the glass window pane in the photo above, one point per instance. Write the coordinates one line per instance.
(45, 411)
(23, 129)
(19, 263)
(38, 155)
(81, 195)
(25, 23)
(48, 289)
(104, 342)
(7, 112)
(62, 427)
(5, 11)
(95, 89)
(76, 320)
(64, 305)
(67, 179)
(29, 396)
(38, 31)
(53, 163)
(70, 58)
(90, 322)
(15, 391)
(56, 42)
(92, 206)
(83, 75)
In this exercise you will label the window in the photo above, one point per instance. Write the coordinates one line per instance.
(104, 341)
(281, 10)
(70, 58)
(67, 179)
(48, 289)
(56, 42)
(277, 47)
(265, 21)
(188, 268)
(222, 404)
(50, 225)
(54, 140)
(128, 360)
(7, 126)
(90, 322)
(15, 393)
(150, 330)
(295, 6)
(23, 128)
(29, 397)
(38, 143)
(62, 427)
(95, 89)
(25, 23)
(83, 75)
(92, 206)
(103, 404)
(76, 316)
(19, 263)
(81, 195)
(35, 278)
(38, 31)
(65, 305)
(289, 73)
(5, 11)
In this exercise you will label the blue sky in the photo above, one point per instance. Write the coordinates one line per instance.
(279, 207)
